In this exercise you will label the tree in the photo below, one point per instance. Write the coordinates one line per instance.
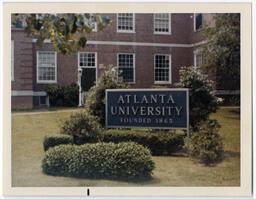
(222, 51)
(66, 31)
(202, 99)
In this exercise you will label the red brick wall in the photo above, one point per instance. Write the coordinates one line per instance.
(23, 61)
(182, 32)
(22, 102)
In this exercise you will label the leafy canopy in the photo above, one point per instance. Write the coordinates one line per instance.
(66, 31)
(222, 51)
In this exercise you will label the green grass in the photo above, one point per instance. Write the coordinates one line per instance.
(27, 152)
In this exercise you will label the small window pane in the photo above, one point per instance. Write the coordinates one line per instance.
(162, 68)
(87, 60)
(46, 66)
(126, 67)
(125, 22)
(162, 23)
(198, 22)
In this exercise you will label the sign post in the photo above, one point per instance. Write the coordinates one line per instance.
(148, 108)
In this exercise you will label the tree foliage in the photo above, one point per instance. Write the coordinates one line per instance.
(222, 51)
(67, 32)
(95, 102)
(202, 99)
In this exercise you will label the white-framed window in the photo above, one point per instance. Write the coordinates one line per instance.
(198, 58)
(198, 21)
(12, 60)
(162, 69)
(126, 22)
(46, 67)
(126, 66)
(87, 59)
(162, 23)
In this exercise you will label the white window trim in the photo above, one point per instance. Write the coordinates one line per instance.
(134, 64)
(170, 70)
(12, 60)
(37, 73)
(195, 22)
(170, 26)
(126, 31)
(196, 52)
(96, 63)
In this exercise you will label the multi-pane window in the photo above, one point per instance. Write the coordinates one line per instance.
(162, 69)
(198, 20)
(125, 22)
(46, 67)
(88, 63)
(87, 60)
(12, 60)
(198, 59)
(126, 67)
(162, 23)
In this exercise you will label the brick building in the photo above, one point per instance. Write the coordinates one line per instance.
(149, 49)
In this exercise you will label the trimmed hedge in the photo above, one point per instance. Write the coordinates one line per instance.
(159, 143)
(83, 127)
(101, 160)
(56, 139)
(63, 95)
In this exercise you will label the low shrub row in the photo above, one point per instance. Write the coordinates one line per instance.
(63, 95)
(159, 142)
(52, 140)
(127, 161)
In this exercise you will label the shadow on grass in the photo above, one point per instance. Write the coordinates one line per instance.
(235, 111)
(230, 154)
(144, 180)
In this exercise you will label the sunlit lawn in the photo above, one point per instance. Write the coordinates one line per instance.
(27, 152)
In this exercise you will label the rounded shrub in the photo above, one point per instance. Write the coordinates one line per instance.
(126, 161)
(56, 139)
(206, 144)
(202, 99)
(95, 102)
(159, 142)
(83, 127)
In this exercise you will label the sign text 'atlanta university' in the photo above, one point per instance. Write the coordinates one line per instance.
(147, 108)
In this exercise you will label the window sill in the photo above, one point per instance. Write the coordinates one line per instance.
(162, 83)
(46, 82)
(162, 33)
(123, 31)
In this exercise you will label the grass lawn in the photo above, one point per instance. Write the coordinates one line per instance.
(27, 152)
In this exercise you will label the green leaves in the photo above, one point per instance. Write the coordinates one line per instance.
(206, 144)
(202, 99)
(67, 32)
(125, 161)
(222, 52)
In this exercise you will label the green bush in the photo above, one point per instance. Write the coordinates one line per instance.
(56, 139)
(95, 102)
(202, 99)
(159, 143)
(83, 127)
(206, 144)
(102, 160)
(71, 95)
(63, 95)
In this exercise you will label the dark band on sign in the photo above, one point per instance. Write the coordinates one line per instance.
(147, 108)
